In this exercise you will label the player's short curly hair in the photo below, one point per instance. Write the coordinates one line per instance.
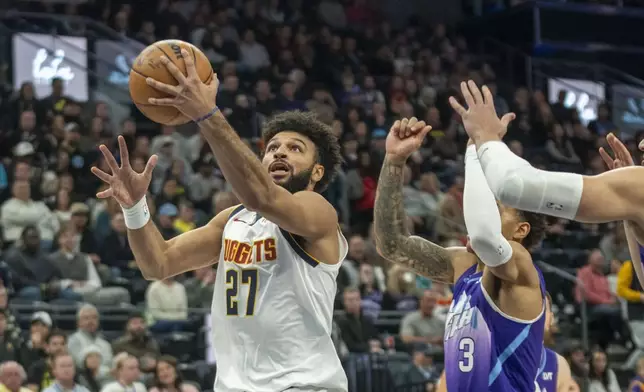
(538, 225)
(306, 124)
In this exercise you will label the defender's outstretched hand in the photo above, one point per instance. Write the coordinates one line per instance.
(622, 157)
(191, 96)
(480, 119)
(126, 185)
(405, 137)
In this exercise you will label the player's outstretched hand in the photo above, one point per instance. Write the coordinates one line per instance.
(126, 185)
(480, 119)
(191, 96)
(405, 137)
(622, 157)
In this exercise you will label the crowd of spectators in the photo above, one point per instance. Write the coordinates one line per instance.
(340, 60)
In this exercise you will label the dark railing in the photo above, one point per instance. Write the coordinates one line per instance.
(381, 373)
(58, 24)
(565, 275)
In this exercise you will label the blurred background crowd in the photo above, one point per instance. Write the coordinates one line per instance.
(74, 307)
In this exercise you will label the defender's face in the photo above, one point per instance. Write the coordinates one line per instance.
(290, 160)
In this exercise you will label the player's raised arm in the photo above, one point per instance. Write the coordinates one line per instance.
(622, 158)
(393, 240)
(306, 214)
(156, 257)
(507, 260)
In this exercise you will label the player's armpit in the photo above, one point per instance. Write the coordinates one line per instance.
(306, 214)
(159, 259)
(519, 269)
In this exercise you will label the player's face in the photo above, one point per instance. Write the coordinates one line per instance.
(290, 159)
(512, 226)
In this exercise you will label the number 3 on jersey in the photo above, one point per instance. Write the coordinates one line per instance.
(466, 348)
(234, 281)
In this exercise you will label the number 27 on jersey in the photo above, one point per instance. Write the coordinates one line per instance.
(235, 282)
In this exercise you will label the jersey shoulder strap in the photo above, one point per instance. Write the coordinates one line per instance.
(236, 211)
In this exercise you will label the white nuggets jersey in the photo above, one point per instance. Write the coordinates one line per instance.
(272, 312)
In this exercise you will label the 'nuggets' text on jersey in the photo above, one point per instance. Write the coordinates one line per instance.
(257, 251)
(486, 350)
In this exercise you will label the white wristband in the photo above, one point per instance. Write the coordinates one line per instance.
(136, 216)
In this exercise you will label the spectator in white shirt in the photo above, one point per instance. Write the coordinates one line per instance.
(167, 306)
(88, 335)
(254, 55)
(21, 211)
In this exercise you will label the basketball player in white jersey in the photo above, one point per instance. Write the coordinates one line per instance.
(279, 252)
(611, 196)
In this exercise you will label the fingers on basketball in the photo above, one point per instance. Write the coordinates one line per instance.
(174, 71)
(191, 70)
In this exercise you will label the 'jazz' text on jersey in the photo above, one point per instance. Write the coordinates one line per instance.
(256, 252)
(461, 315)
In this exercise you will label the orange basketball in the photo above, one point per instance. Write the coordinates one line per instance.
(148, 65)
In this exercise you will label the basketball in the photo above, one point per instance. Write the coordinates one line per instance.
(148, 65)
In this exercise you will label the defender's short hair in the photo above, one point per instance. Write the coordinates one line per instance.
(538, 225)
(306, 124)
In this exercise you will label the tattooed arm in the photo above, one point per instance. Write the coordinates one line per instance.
(395, 243)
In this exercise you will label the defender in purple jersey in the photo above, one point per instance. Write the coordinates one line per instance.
(554, 372)
(494, 329)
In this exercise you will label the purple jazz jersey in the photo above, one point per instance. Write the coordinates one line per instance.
(547, 379)
(486, 350)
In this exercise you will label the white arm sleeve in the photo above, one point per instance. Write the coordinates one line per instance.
(519, 185)
(481, 213)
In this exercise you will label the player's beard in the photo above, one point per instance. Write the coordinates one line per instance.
(298, 182)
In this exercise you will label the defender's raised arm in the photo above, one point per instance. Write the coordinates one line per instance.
(393, 240)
